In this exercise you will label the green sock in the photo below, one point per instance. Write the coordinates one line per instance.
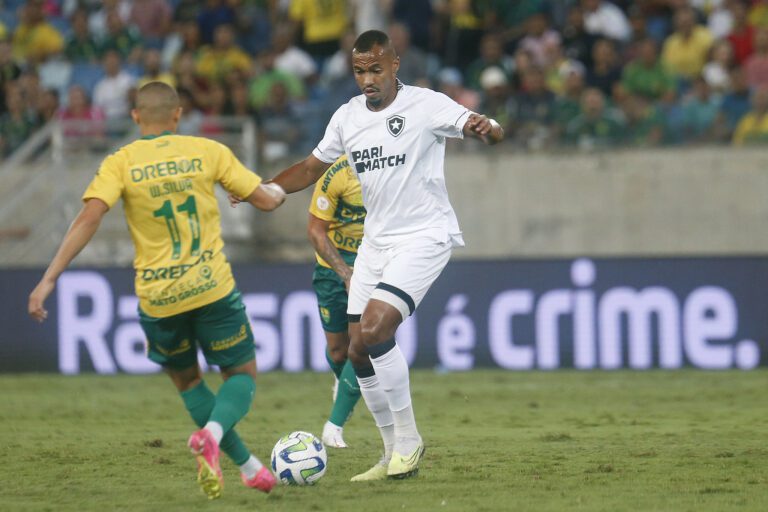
(336, 367)
(347, 397)
(233, 401)
(200, 401)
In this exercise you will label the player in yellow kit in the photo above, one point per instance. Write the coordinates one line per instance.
(335, 228)
(187, 295)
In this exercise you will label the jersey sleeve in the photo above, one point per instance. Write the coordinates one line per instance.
(108, 183)
(233, 175)
(331, 147)
(447, 117)
(326, 196)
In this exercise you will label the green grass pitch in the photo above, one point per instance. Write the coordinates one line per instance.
(496, 441)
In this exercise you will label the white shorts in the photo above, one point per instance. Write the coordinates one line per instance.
(399, 275)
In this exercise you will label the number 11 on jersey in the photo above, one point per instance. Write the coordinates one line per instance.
(190, 208)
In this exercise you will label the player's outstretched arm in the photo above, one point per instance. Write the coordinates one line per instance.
(483, 128)
(301, 174)
(317, 231)
(80, 233)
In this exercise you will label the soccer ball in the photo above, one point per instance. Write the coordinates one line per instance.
(299, 459)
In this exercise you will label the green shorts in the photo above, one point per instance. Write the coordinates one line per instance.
(221, 329)
(332, 295)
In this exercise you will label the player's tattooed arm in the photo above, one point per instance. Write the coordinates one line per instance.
(301, 174)
(80, 233)
(297, 177)
(485, 129)
(317, 231)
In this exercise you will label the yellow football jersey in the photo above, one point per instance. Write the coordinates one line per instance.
(323, 20)
(339, 200)
(167, 186)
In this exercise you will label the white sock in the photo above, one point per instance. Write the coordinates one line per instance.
(330, 424)
(251, 467)
(392, 371)
(377, 403)
(216, 430)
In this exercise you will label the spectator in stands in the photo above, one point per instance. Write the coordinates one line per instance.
(224, 55)
(646, 76)
(97, 21)
(568, 104)
(191, 117)
(753, 128)
(491, 55)
(323, 23)
(213, 14)
(111, 92)
(186, 11)
(17, 123)
(339, 66)
(338, 82)
(604, 19)
(639, 25)
(534, 109)
(720, 19)
(756, 65)
(605, 73)
(153, 71)
(254, 25)
(289, 57)
(187, 79)
(9, 71)
(261, 87)
(152, 18)
(80, 46)
(742, 34)
(758, 14)
(644, 122)
(465, 31)
(280, 125)
(30, 88)
(717, 72)
(185, 38)
(419, 17)
(685, 51)
(539, 37)
(47, 105)
(413, 62)
(596, 126)
(509, 18)
(122, 38)
(238, 103)
(83, 119)
(369, 14)
(496, 94)
(735, 105)
(449, 82)
(577, 42)
(34, 39)
(554, 72)
(699, 111)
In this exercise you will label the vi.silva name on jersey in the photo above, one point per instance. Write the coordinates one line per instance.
(373, 159)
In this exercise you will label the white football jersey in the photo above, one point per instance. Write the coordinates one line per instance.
(398, 154)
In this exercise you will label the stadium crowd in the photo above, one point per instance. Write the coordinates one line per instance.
(580, 73)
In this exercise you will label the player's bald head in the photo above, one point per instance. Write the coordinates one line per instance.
(157, 103)
(374, 41)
